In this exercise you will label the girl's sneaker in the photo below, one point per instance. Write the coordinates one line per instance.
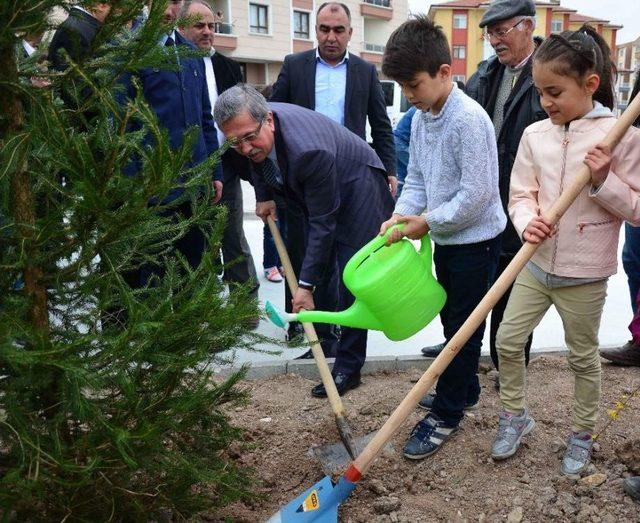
(273, 274)
(578, 453)
(511, 430)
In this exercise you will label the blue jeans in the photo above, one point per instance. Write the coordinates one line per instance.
(631, 261)
(466, 272)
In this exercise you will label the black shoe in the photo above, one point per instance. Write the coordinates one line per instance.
(433, 351)
(627, 355)
(632, 487)
(295, 331)
(426, 402)
(344, 382)
(306, 356)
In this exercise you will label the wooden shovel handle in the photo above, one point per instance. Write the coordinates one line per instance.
(570, 193)
(325, 374)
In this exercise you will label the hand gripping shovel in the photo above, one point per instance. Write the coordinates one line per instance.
(320, 502)
(325, 374)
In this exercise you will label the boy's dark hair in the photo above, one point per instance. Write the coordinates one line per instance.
(578, 54)
(415, 47)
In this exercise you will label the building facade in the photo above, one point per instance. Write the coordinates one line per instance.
(460, 18)
(628, 58)
(260, 33)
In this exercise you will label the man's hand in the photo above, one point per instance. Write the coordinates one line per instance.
(393, 185)
(217, 187)
(415, 228)
(265, 209)
(537, 230)
(598, 159)
(303, 299)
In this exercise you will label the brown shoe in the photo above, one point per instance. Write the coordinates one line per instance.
(628, 354)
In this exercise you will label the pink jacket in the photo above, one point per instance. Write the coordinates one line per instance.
(586, 242)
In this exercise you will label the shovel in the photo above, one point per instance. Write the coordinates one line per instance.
(320, 502)
(325, 374)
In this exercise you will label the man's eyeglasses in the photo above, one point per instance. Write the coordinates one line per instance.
(236, 143)
(501, 33)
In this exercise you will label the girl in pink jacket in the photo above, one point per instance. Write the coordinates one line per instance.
(572, 73)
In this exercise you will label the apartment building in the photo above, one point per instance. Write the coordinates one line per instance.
(628, 61)
(460, 18)
(260, 33)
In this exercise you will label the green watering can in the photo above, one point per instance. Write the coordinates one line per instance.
(394, 288)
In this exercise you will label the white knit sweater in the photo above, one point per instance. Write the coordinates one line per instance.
(453, 173)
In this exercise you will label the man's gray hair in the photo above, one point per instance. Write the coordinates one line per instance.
(184, 10)
(532, 19)
(239, 99)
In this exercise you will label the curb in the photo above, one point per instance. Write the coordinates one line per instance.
(308, 369)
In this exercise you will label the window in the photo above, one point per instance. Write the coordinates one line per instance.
(557, 25)
(458, 78)
(460, 21)
(301, 25)
(258, 18)
(459, 51)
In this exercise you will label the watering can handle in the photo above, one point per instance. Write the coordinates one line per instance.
(425, 249)
(372, 246)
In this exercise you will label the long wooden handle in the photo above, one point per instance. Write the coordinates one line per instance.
(323, 368)
(397, 418)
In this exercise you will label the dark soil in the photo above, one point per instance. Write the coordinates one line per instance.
(460, 482)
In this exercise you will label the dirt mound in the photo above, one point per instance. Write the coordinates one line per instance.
(459, 483)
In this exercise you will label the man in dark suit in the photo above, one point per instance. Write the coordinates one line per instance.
(180, 100)
(333, 176)
(222, 73)
(76, 34)
(342, 86)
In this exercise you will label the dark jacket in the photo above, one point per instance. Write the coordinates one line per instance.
(521, 109)
(334, 177)
(180, 99)
(75, 36)
(228, 74)
(363, 97)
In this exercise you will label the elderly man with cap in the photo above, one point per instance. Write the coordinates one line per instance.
(503, 85)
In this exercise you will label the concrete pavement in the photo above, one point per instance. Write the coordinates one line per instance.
(548, 336)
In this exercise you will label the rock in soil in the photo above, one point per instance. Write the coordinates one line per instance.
(386, 504)
(516, 515)
(594, 480)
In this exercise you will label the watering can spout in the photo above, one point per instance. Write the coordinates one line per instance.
(357, 316)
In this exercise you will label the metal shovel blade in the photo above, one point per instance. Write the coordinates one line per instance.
(334, 459)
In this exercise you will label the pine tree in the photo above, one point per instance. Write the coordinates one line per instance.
(109, 406)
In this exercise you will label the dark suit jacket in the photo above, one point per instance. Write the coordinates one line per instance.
(335, 177)
(363, 97)
(228, 74)
(180, 100)
(75, 36)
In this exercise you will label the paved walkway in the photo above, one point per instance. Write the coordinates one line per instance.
(548, 336)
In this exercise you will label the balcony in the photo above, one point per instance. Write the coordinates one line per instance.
(374, 48)
(372, 53)
(379, 9)
(224, 38)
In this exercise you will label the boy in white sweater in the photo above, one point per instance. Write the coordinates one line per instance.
(451, 191)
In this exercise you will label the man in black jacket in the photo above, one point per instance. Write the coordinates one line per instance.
(223, 73)
(503, 85)
(76, 34)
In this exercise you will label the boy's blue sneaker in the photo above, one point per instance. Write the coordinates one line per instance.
(427, 437)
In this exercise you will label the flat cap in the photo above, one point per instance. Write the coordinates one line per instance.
(505, 9)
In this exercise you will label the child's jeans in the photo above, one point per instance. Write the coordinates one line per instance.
(466, 272)
(580, 308)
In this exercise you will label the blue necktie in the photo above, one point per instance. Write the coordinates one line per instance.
(270, 173)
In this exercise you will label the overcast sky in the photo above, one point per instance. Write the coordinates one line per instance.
(619, 12)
